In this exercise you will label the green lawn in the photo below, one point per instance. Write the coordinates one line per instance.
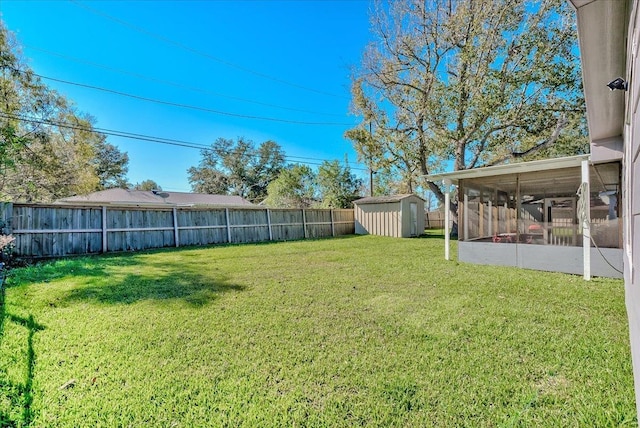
(353, 331)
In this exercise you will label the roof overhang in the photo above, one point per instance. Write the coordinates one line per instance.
(513, 168)
(602, 30)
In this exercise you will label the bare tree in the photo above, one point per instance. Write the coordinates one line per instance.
(469, 83)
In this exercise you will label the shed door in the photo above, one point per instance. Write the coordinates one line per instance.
(414, 219)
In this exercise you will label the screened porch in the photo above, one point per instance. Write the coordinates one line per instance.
(542, 207)
(540, 215)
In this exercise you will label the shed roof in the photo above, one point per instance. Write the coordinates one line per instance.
(154, 197)
(384, 199)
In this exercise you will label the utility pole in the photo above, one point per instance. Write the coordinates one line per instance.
(371, 172)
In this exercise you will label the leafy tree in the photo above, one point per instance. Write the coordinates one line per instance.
(147, 185)
(56, 163)
(337, 186)
(237, 168)
(472, 83)
(111, 165)
(53, 162)
(10, 145)
(388, 181)
(295, 187)
(48, 150)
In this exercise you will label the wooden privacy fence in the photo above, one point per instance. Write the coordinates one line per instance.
(62, 230)
(434, 220)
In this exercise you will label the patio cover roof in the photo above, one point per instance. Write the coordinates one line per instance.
(512, 168)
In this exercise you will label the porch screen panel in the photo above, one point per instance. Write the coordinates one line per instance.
(472, 213)
(606, 224)
(490, 209)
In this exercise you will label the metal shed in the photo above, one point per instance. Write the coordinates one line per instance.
(398, 216)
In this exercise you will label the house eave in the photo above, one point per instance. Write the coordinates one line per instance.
(602, 33)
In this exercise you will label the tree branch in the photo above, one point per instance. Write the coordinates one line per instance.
(562, 123)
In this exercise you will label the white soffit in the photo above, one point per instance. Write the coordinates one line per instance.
(602, 37)
(512, 168)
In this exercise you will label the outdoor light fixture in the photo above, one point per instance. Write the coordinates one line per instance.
(618, 83)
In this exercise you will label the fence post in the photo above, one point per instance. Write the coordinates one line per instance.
(333, 229)
(226, 213)
(304, 223)
(269, 224)
(176, 238)
(104, 228)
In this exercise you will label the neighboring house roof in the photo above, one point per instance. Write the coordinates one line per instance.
(154, 197)
(384, 199)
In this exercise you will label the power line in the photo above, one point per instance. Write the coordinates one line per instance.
(187, 106)
(201, 53)
(148, 138)
(175, 84)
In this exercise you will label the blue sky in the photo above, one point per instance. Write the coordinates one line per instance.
(253, 60)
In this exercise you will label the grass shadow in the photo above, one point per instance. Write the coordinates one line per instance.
(127, 278)
(155, 281)
(19, 395)
(435, 234)
(47, 271)
(134, 288)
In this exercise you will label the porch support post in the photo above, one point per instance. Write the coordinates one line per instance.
(586, 216)
(447, 196)
(490, 225)
(518, 213)
(465, 218)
